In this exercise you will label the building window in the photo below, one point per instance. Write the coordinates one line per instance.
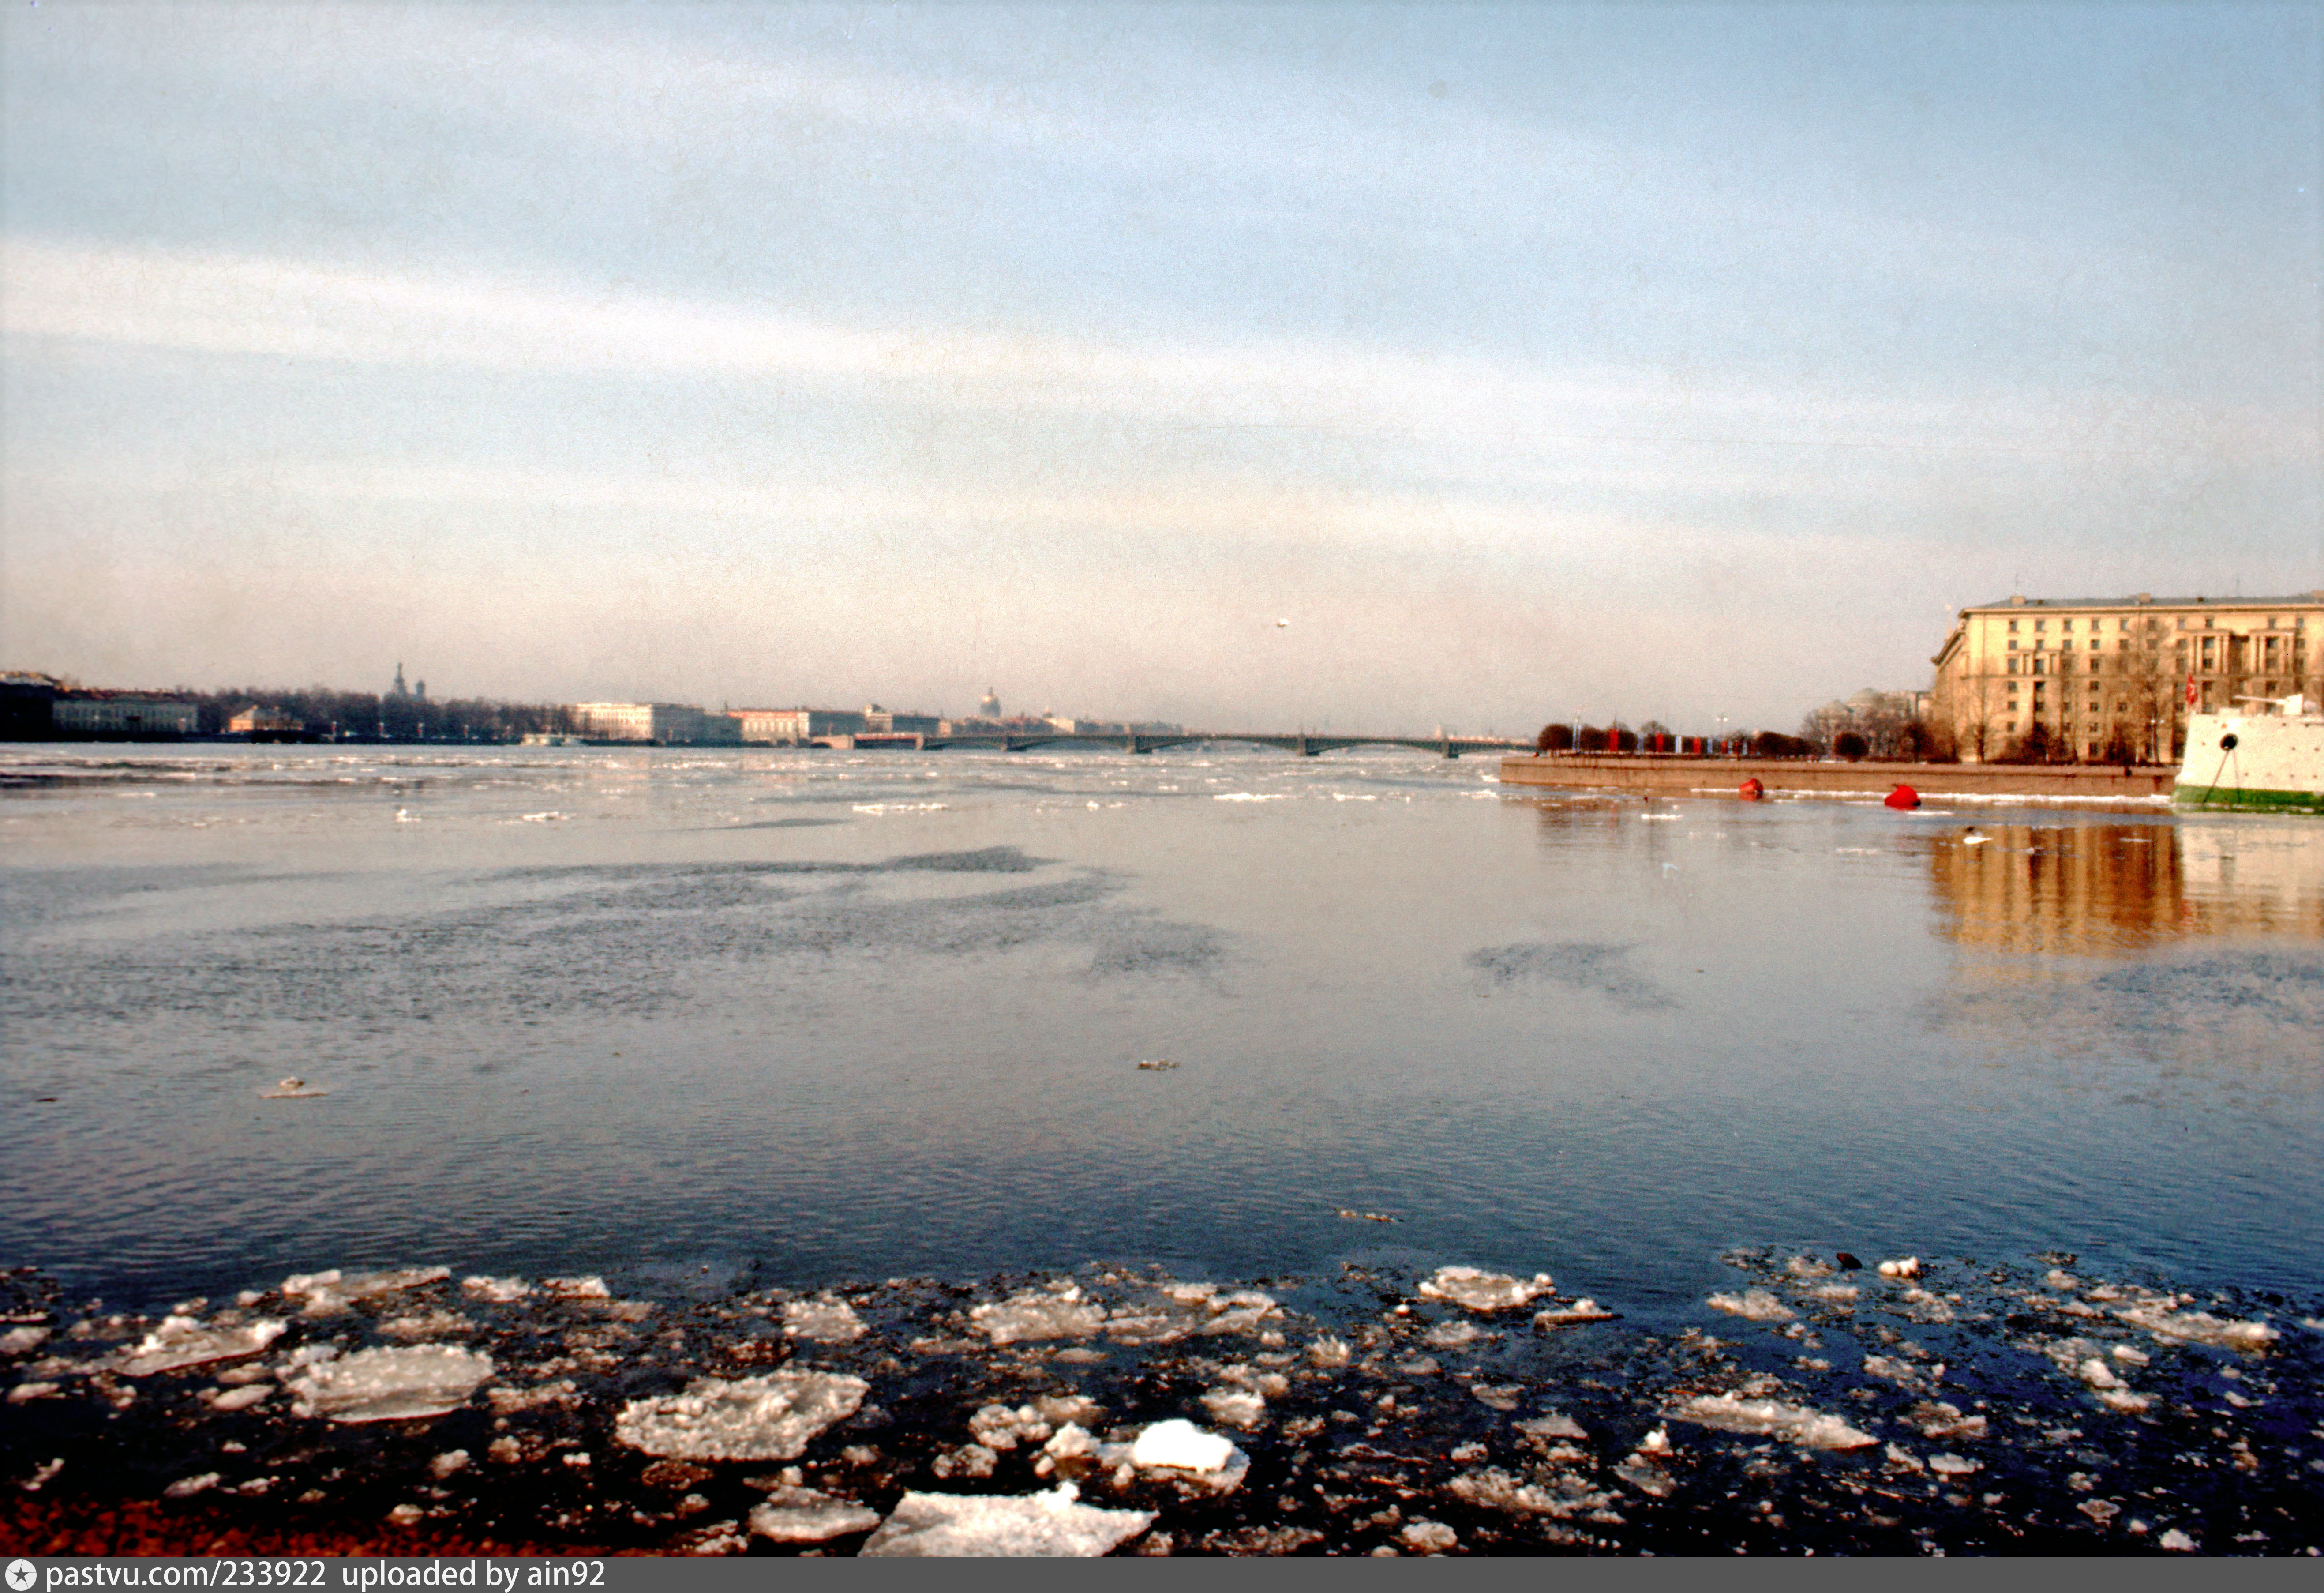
(2013, 663)
(2037, 666)
(2012, 628)
(2094, 644)
(2013, 646)
(2009, 724)
(2065, 624)
(2041, 625)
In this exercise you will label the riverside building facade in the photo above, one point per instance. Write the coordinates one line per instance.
(2110, 679)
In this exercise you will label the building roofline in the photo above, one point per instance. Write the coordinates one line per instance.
(2148, 600)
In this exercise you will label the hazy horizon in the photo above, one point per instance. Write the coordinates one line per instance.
(1374, 368)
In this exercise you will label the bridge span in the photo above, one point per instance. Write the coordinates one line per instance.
(1304, 743)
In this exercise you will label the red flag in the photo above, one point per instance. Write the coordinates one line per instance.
(2191, 688)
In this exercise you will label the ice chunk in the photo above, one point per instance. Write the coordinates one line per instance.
(1954, 1465)
(1810, 1430)
(2125, 1402)
(1755, 1305)
(426, 1324)
(334, 1291)
(242, 1398)
(2199, 1327)
(21, 1340)
(1472, 1289)
(1836, 1294)
(1497, 1396)
(1236, 1407)
(1181, 1445)
(770, 1417)
(1909, 1267)
(2177, 1542)
(1070, 1442)
(1570, 1316)
(802, 1516)
(1453, 1336)
(186, 1487)
(825, 1321)
(590, 1287)
(498, 1290)
(1428, 1537)
(996, 1427)
(181, 1341)
(1552, 1424)
(292, 1089)
(1329, 1350)
(1037, 1314)
(1051, 1524)
(1562, 1496)
(391, 1384)
(2098, 1374)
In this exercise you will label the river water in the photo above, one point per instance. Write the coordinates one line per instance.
(812, 1016)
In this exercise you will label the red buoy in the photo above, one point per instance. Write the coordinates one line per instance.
(1903, 798)
(1752, 790)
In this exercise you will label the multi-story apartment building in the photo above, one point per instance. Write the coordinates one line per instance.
(2101, 679)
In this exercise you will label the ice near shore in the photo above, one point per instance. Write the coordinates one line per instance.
(182, 1341)
(391, 1384)
(1049, 1525)
(768, 1418)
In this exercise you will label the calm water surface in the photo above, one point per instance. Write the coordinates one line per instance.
(823, 1016)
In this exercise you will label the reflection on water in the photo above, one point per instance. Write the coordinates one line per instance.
(2107, 888)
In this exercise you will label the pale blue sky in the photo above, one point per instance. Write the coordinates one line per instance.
(1656, 360)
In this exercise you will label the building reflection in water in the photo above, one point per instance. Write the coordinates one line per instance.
(2091, 889)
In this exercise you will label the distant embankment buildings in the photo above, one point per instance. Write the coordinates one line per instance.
(2112, 680)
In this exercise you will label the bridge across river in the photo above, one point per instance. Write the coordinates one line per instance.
(1304, 743)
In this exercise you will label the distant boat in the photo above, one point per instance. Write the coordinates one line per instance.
(2261, 760)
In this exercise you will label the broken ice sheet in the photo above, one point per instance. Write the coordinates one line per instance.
(1796, 1424)
(1754, 1305)
(802, 1516)
(391, 1384)
(182, 1341)
(1472, 1289)
(2199, 1327)
(1581, 1311)
(330, 1292)
(768, 1418)
(1051, 1524)
(1037, 1314)
(826, 1320)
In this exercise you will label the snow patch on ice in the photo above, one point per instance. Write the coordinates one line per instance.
(827, 1319)
(1037, 1314)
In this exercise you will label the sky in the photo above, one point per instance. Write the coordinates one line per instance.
(1364, 369)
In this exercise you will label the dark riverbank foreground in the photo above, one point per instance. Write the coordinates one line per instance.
(1816, 1405)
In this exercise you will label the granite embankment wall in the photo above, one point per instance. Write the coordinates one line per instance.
(1680, 776)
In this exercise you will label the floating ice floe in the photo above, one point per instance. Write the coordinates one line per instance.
(592, 1287)
(1051, 1524)
(1909, 1267)
(2199, 1327)
(391, 1384)
(426, 1324)
(768, 1418)
(242, 1398)
(827, 1319)
(22, 1340)
(802, 1516)
(1949, 1465)
(181, 1341)
(497, 1291)
(1581, 1311)
(1038, 1314)
(1755, 1305)
(1796, 1424)
(1454, 1336)
(1560, 1495)
(1472, 1289)
(1236, 1407)
(1552, 1424)
(292, 1089)
(328, 1292)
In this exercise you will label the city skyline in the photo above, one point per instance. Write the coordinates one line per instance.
(1384, 366)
